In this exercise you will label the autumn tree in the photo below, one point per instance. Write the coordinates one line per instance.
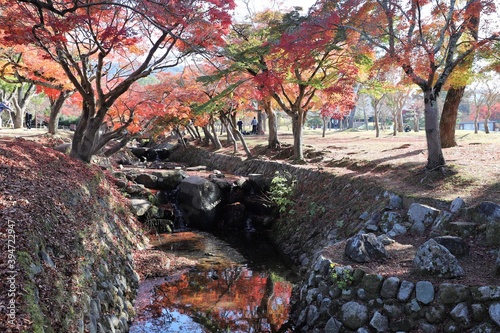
(309, 57)
(426, 39)
(103, 50)
(458, 82)
(39, 71)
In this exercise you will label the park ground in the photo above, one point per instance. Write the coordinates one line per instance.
(395, 162)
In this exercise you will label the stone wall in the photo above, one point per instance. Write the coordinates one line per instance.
(83, 280)
(340, 299)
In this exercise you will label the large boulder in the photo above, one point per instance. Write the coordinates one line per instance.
(365, 248)
(456, 245)
(198, 200)
(421, 217)
(434, 259)
(488, 213)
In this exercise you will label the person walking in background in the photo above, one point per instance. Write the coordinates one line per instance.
(3, 106)
(254, 125)
(28, 118)
(240, 125)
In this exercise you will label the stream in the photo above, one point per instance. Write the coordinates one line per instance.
(239, 285)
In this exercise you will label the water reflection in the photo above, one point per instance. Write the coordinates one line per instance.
(222, 295)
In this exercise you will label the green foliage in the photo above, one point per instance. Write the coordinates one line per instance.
(282, 188)
(314, 209)
(341, 276)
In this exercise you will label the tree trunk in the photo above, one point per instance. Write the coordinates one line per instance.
(119, 145)
(242, 139)
(208, 136)
(435, 159)
(376, 125)
(273, 141)
(394, 127)
(55, 110)
(324, 127)
(476, 122)
(260, 120)
(449, 117)
(486, 120)
(216, 140)
(399, 116)
(352, 116)
(230, 130)
(297, 128)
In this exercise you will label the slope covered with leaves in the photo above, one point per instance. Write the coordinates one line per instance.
(60, 219)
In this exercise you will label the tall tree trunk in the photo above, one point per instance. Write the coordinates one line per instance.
(435, 158)
(399, 117)
(55, 110)
(208, 136)
(395, 127)
(449, 117)
(486, 121)
(324, 127)
(376, 125)
(242, 139)
(297, 129)
(230, 130)
(20, 100)
(273, 141)
(476, 122)
(216, 141)
(260, 120)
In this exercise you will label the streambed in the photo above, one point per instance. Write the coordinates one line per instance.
(238, 285)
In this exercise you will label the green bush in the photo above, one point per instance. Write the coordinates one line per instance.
(281, 190)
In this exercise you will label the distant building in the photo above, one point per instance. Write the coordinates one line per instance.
(469, 125)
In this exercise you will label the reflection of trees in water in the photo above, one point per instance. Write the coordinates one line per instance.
(234, 299)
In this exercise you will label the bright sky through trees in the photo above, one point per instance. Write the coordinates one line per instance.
(258, 5)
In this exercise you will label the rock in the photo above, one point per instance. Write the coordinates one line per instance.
(386, 240)
(461, 314)
(489, 213)
(47, 259)
(148, 180)
(486, 293)
(497, 264)
(169, 180)
(198, 200)
(260, 206)
(405, 291)
(372, 283)
(424, 292)
(379, 322)
(494, 312)
(333, 326)
(457, 204)
(455, 245)
(395, 201)
(390, 287)
(462, 228)
(449, 293)
(418, 228)
(140, 206)
(312, 315)
(365, 248)
(397, 230)
(435, 314)
(354, 315)
(234, 216)
(434, 259)
(422, 213)
(259, 182)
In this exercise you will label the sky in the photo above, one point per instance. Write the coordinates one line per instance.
(259, 5)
